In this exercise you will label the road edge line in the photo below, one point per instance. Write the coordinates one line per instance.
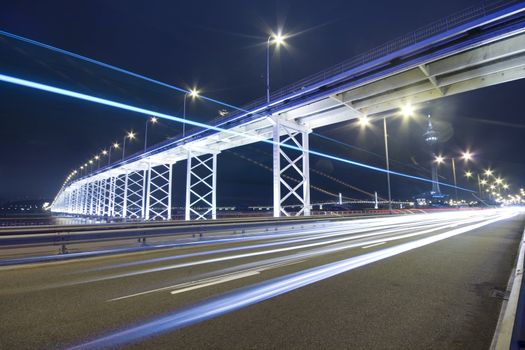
(505, 326)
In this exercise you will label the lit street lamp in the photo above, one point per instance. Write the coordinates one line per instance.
(277, 39)
(192, 93)
(406, 111)
(152, 120)
(130, 135)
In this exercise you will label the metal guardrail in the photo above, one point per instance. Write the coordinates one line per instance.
(64, 236)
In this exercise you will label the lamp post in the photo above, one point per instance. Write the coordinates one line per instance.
(115, 145)
(278, 39)
(406, 111)
(130, 135)
(152, 120)
(192, 93)
(385, 134)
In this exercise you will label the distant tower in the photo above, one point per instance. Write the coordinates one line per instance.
(432, 138)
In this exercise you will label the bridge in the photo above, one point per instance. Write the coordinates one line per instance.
(480, 47)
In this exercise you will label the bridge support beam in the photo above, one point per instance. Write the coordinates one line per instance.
(291, 168)
(201, 186)
(158, 192)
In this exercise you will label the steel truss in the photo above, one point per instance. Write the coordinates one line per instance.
(201, 185)
(158, 196)
(119, 196)
(290, 163)
(134, 197)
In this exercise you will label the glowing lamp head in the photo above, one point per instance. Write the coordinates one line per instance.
(364, 121)
(104, 152)
(97, 157)
(130, 135)
(488, 172)
(439, 159)
(466, 156)
(116, 145)
(194, 93)
(153, 120)
(278, 39)
(468, 174)
(407, 110)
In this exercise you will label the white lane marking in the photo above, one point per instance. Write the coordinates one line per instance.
(373, 245)
(210, 279)
(217, 281)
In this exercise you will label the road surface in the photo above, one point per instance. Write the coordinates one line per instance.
(433, 281)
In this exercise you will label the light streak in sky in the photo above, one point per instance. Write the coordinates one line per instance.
(111, 67)
(120, 105)
(244, 297)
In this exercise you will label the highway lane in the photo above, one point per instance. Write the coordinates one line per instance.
(331, 286)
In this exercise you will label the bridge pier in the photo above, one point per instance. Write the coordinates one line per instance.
(201, 186)
(290, 160)
(158, 192)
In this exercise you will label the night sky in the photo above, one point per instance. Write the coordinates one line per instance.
(219, 47)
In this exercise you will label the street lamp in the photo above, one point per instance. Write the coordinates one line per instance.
(152, 120)
(406, 111)
(115, 146)
(277, 39)
(466, 156)
(364, 121)
(130, 135)
(193, 93)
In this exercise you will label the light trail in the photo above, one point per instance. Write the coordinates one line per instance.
(437, 227)
(140, 110)
(244, 297)
(393, 227)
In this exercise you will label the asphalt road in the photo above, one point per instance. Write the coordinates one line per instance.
(429, 281)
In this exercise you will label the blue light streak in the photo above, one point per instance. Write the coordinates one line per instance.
(120, 105)
(244, 297)
(112, 67)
